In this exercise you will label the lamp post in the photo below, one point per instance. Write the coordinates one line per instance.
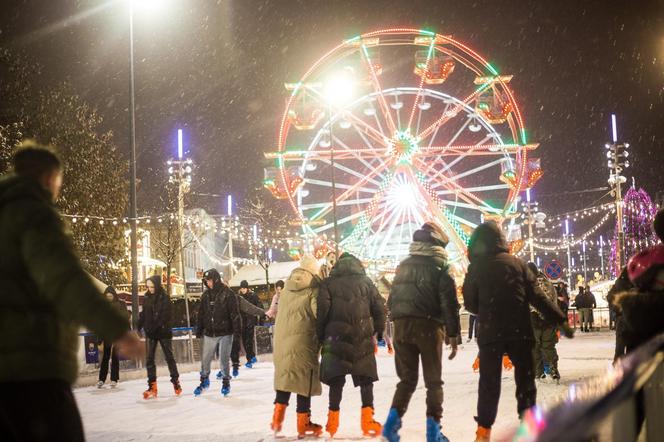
(617, 154)
(179, 172)
(230, 236)
(601, 255)
(566, 239)
(133, 236)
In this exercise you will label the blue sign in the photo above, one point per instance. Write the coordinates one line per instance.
(553, 270)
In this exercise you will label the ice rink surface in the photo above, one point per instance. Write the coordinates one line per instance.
(122, 414)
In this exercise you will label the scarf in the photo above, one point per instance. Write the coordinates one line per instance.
(438, 253)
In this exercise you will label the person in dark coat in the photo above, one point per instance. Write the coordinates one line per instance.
(563, 297)
(499, 289)
(585, 303)
(350, 311)
(155, 321)
(425, 310)
(46, 297)
(249, 322)
(218, 321)
(110, 351)
(546, 336)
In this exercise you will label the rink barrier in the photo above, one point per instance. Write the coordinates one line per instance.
(616, 407)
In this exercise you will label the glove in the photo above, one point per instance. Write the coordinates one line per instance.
(566, 330)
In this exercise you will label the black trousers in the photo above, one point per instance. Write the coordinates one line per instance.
(303, 402)
(38, 411)
(337, 388)
(109, 353)
(472, 320)
(247, 342)
(167, 348)
(544, 348)
(621, 347)
(491, 358)
(416, 339)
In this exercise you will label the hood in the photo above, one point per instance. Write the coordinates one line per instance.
(13, 187)
(346, 265)
(112, 291)
(215, 276)
(156, 280)
(487, 240)
(438, 253)
(301, 279)
(428, 235)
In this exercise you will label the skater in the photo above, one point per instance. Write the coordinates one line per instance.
(110, 352)
(350, 312)
(274, 305)
(472, 321)
(46, 298)
(249, 321)
(330, 260)
(155, 321)
(218, 321)
(498, 289)
(384, 286)
(296, 348)
(546, 336)
(563, 297)
(425, 310)
(585, 302)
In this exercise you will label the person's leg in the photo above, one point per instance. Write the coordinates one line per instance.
(39, 411)
(282, 397)
(115, 365)
(225, 347)
(167, 347)
(406, 360)
(209, 347)
(235, 351)
(549, 339)
(620, 340)
(471, 326)
(303, 404)
(431, 351)
(520, 352)
(103, 368)
(248, 341)
(491, 357)
(336, 392)
(149, 359)
(366, 393)
(537, 351)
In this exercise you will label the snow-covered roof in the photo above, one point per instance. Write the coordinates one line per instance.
(255, 274)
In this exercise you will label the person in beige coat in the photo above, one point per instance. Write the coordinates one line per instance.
(296, 348)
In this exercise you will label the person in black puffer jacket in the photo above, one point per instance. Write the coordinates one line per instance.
(350, 311)
(499, 289)
(250, 318)
(422, 304)
(218, 321)
(155, 321)
(110, 352)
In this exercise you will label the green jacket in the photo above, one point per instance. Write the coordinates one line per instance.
(45, 295)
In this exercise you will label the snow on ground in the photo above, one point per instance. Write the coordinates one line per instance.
(123, 415)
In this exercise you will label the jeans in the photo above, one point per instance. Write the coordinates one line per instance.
(109, 353)
(210, 345)
(303, 402)
(248, 343)
(472, 321)
(167, 348)
(39, 411)
(491, 359)
(586, 318)
(416, 339)
(337, 388)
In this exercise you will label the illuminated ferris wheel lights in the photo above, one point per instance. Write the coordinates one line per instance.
(340, 87)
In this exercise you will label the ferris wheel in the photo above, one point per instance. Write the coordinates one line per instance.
(393, 128)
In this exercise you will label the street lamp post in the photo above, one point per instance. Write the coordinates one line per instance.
(132, 176)
(334, 187)
(566, 238)
(617, 160)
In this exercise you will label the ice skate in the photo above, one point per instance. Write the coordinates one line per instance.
(177, 388)
(392, 425)
(225, 387)
(307, 428)
(219, 376)
(236, 372)
(278, 417)
(332, 422)
(204, 385)
(369, 425)
(434, 433)
(114, 384)
(151, 392)
(482, 434)
(100, 384)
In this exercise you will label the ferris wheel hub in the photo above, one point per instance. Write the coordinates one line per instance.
(403, 146)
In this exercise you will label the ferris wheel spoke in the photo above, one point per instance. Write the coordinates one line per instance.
(343, 203)
(447, 166)
(449, 114)
(419, 89)
(324, 183)
(341, 221)
(476, 189)
(484, 208)
(348, 170)
(358, 156)
(379, 90)
(469, 172)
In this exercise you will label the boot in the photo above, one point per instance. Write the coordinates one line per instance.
(151, 392)
(476, 365)
(390, 350)
(392, 425)
(278, 417)
(482, 434)
(225, 387)
(204, 385)
(332, 422)
(369, 426)
(433, 431)
(177, 388)
(307, 428)
(555, 374)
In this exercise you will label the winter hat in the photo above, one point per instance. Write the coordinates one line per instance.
(280, 284)
(309, 263)
(212, 274)
(432, 233)
(244, 284)
(658, 224)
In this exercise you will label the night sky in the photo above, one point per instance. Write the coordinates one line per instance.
(217, 68)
